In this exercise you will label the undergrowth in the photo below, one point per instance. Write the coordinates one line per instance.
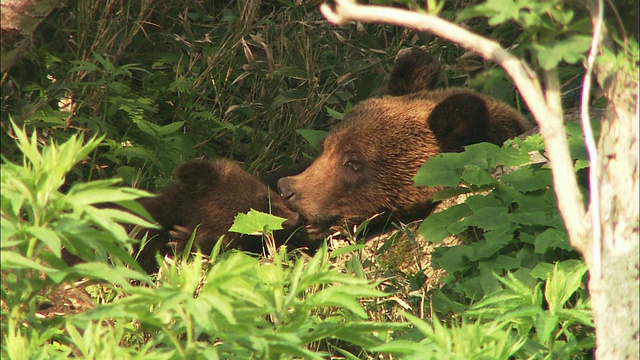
(152, 84)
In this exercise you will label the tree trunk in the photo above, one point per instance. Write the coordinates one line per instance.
(19, 20)
(615, 293)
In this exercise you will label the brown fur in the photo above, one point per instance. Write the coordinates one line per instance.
(369, 160)
(209, 194)
(414, 70)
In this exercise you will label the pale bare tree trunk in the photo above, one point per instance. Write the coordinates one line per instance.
(19, 20)
(615, 292)
(607, 235)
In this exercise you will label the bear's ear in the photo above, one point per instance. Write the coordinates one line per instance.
(197, 174)
(460, 120)
(413, 71)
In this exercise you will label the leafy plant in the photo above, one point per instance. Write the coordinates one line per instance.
(510, 222)
(515, 321)
(560, 322)
(39, 220)
(247, 307)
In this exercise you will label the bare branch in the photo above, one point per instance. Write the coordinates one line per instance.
(594, 191)
(570, 202)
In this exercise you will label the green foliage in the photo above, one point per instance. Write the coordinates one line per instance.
(243, 306)
(516, 321)
(39, 220)
(162, 82)
(463, 340)
(552, 323)
(166, 81)
(509, 223)
(550, 30)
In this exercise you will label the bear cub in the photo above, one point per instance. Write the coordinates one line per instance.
(369, 160)
(208, 194)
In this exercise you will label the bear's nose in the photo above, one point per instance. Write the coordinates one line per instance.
(286, 189)
(294, 220)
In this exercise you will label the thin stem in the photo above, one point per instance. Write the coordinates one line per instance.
(590, 143)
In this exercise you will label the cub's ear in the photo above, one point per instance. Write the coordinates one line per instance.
(197, 174)
(413, 71)
(460, 120)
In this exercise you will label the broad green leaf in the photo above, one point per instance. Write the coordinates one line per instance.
(435, 227)
(571, 50)
(543, 270)
(474, 175)
(255, 222)
(551, 238)
(528, 178)
(510, 155)
(438, 171)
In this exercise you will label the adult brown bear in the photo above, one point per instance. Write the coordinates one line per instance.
(369, 160)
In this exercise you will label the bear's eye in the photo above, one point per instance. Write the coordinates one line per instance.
(353, 162)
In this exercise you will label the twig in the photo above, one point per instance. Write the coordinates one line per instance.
(590, 142)
(552, 129)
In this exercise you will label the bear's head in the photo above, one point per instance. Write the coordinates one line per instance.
(369, 160)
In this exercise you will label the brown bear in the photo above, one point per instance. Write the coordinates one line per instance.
(369, 160)
(208, 194)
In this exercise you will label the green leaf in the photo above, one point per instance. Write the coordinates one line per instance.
(288, 96)
(488, 218)
(400, 347)
(346, 249)
(438, 171)
(562, 284)
(335, 114)
(510, 155)
(148, 128)
(118, 275)
(313, 137)
(48, 237)
(528, 178)
(256, 222)
(529, 218)
(451, 192)
(335, 296)
(99, 193)
(551, 238)
(498, 11)
(474, 175)
(544, 270)
(436, 226)
(13, 260)
(171, 128)
(571, 50)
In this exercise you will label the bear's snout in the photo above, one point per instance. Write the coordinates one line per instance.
(287, 190)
